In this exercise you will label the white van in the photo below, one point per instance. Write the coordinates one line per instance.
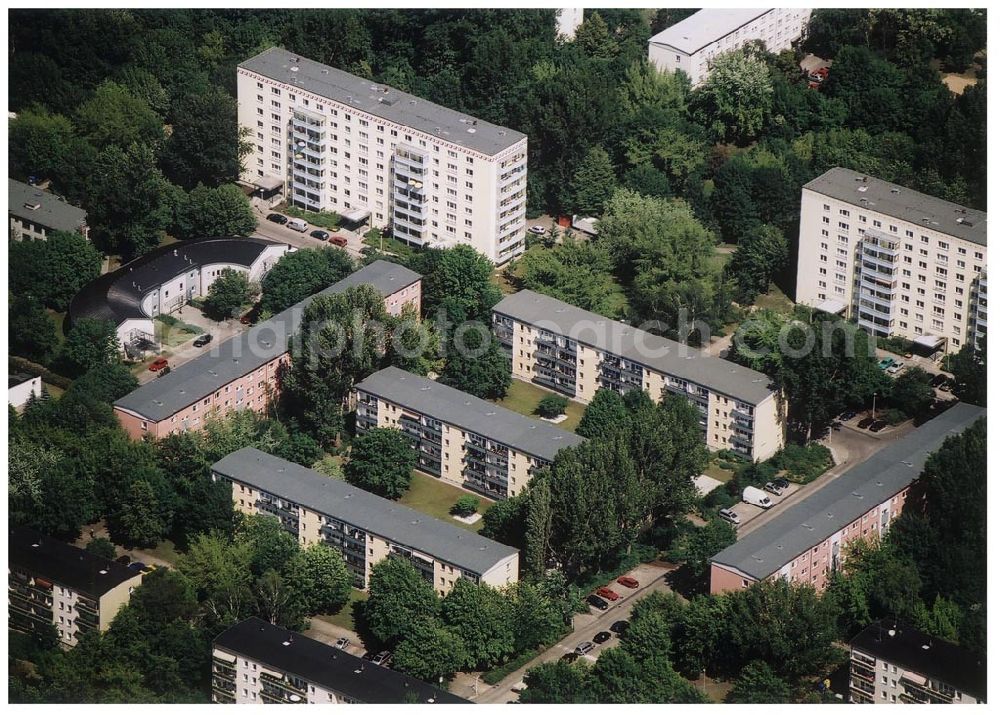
(297, 224)
(757, 497)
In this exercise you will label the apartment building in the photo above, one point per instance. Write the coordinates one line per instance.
(53, 583)
(330, 141)
(691, 45)
(21, 387)
(893, 662)
(803, 543)
(896, 261)
(242, 372)
(576, 352)
(163, 280)
(255, 662)
(364, 527)
(458, 437)
(34, 213)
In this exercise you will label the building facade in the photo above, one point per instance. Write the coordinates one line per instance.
(34, 213)
(458, 437)
(51, 583)
(364, 527)
(691, 45)
(255, 662)
(576, 352)
(243, 372)
(805, 543)
(893, 662)
(894, 260)
(331, 141)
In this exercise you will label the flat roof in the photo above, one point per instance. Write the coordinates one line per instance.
(655, 352)
(52, 212)
(873, 194)
(196, 379)
(64, 564)
(535, 437)
(382, 101)
(333, 497)
(826, 511)
(117, 296)
(705, 27)
(901, 644)
(326, 666)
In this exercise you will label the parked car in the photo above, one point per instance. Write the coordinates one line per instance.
(866, 422)
(537, 230)
(383, 658)
(896, 367)
(342, 643)
(628, 582)
(519, 686)
(321, 235)
(947, 386)
(297, 224)
(847, 415)
(619, 627)
(605, 592)
(597, 602)
(781, 483)
(278, 219)
(247, 319)
(757, 497)
(584, 648)
(339, 241)
(885, 363)
(158, 364)
(124, 560)
(569, 657)
(729, 515)
(138, 566)
(939, 380)
(774, 489)
(878, 425)
(203, 340)
(601, 637)
(835, 426)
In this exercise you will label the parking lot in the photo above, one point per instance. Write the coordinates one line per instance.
(747, 512)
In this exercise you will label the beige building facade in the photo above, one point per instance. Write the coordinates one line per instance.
(576, 353)
(895, 261)
(330, 141)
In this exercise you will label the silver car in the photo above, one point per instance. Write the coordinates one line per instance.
(584, 648)
(342, 643)
(729, 515)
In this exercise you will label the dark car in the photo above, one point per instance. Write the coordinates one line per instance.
(619, 627)
(597, 602)
(878, 425)
(866, 422)
(847, 415)
(203, 340)
(137, 566)
(781, 483)
(569, 657)
(321, 235)
(939, 380)
(124, 560)
(277, 218)
(601, 637)
(947, 386)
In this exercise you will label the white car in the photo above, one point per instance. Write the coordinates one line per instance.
(537, 230)
(729, 515)
(895, 367)
(342, 643)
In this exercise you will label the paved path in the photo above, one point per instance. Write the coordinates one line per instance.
(329, 633)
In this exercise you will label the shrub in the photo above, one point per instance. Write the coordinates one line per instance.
(467, 505)
(803, 463)
(893, 416)
(552, 406)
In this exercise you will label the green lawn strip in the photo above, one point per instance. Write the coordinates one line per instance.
(345, 616)
(388, 245)
(524, 397)
(774, 300)
(323, 219)
(436, 497)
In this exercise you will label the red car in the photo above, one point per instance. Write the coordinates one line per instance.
(157, 364)
(628, 582)
(605, 592)
(338, 240)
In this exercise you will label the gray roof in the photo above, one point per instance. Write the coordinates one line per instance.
(826, 511)
(364, 510)
(537, 438)
(194, 380)
(902, 203)
(53, 212)
(382, 101)
(655, 352)
(705, 27)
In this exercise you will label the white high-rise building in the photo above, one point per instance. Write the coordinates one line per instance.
(691, 44)
(327, 140)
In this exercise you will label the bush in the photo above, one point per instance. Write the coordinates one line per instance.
(896, 344)
(323, 219)
(803, 464)
(101, 547)
(19, 364)
(552, 406)
(718, 498)
(467, 505)
(893, 416)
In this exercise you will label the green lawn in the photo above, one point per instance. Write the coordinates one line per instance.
(389, 245)
(53, 390)
(171, 332)
(713, 470)
(323, 219)
(524, 397)
(775, 300)
(436, 497)
(164, 550)
(58, 319)
(345, 617)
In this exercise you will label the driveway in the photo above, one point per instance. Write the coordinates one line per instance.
(282, 234)
(329, 633)
(186, 351)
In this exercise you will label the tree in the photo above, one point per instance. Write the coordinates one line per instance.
(736, 98)
(29, 465)
(229, 292)
(459, 279)
(969, 368)
(620, 677)
(429, 651)
(140, 516)
(558, 682)
(220, 211)
(319, 577)
(298, 447)
(593, 183)
(466, 505)
(552, 406)
(40, 144)
(277, 602)
(398, 596)
(382, 461)
(32, 333)
(219, 571)
(299, 274)
(205, 145)
(115, 117)
(757, 683)
(911, 391)
(101, 547)
(761, 255)
(54, 270)
(704, 543)
(105, 383)
(482, 617)
(604, 413)
(89, 343)
(271, 545)
(594, 38)
(483, 373)
(504, 521)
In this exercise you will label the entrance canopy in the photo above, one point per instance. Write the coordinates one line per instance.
(834, 307)
(928, 341)
(355, 218)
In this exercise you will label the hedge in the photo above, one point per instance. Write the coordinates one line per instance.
(20, 364)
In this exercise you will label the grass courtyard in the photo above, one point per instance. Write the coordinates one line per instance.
(436, 497)
(345, 616)
(524, 397)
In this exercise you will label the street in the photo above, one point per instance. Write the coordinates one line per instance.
(282, 234)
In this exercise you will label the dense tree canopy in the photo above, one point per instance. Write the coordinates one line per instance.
(300, 274)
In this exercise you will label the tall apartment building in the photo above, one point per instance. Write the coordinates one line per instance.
(458, 437)
(364, 527)
(242, 372)
(893, 662)
(34, 213)
(50, 583)
(259, 663)
(897, 261)
(803, 543)
(691, 44)
(331, 141)
(576, 352)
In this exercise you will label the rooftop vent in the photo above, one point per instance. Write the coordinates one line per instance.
(862, 189)
(295, 69)
(103, 572)
(325, 71)
(471, 130)
(894, 190)
(32, 207)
